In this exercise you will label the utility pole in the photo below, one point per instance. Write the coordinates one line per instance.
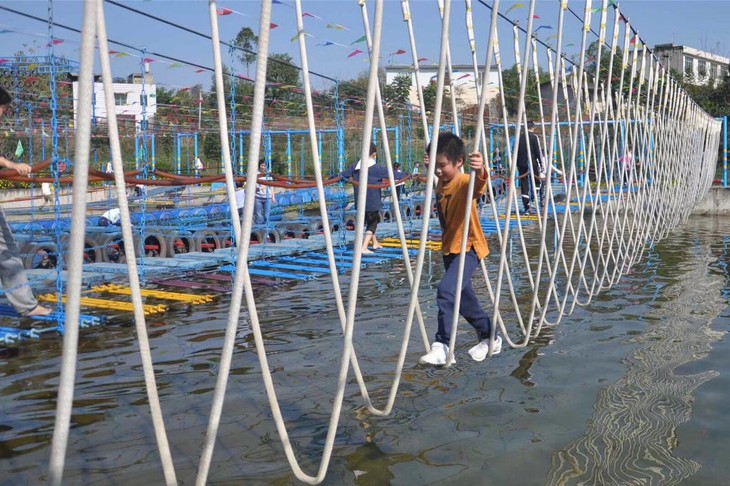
(200, 107)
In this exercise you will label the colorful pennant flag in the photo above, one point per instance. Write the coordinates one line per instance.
(516, 5)
(297, 36)
(422, 59)
(224, 11)
(272, 25)
(543, 27)
(19, 150)
(361, 39)
(354, 53)
(148, 59)
(398, 52)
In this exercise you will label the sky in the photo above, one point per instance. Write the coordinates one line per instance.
(333, 28)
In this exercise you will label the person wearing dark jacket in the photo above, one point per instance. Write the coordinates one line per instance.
(529, 154)
(373, 199)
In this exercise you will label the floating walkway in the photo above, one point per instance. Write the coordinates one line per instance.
(271, 262)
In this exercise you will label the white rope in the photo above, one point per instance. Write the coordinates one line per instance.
(67, 376)
(223, 122)
(613, 209)
(242, 280)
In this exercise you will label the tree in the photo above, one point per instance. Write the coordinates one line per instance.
(511, 86)
(398, 92)
(281, 76)
(246, 42)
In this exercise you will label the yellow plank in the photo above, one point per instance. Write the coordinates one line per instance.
(157, 294)
(107, 304)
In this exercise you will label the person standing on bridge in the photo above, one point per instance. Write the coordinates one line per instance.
(264, 196)
(452, 201)
(530, 167)
(373, 197)
(12, 273)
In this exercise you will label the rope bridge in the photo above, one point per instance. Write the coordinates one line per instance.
(634, 151)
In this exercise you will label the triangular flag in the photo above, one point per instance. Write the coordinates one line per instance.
(354, 53)
(336, 27)
(543, 27)
(54, 42)
(516, 5)
(398, 52)
(174, 65)
(307, 14)
(200, 70)
(148, 59)
(327, 43)
(535, 16)
(121, 54)
(361, 39)
(463, 76)
(272, 25)
(421, 59)
(19, 150)
(224, 11)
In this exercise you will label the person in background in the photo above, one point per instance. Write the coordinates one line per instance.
(47, 191)
(373, 199)
(112, 217)
(452, 201)
(264, 196)
(12, 274)
(240, 198)
(398, 175)
(199, 167)
(530, 182)
(43, 260)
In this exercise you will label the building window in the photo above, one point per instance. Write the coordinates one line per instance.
(143, 100)
(702, 67)
(120, 99)
(688, 62)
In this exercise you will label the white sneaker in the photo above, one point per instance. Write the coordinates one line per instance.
(437, 355)
(481, 350)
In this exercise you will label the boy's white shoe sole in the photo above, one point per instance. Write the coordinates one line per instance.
(437, 355)
(481, 350)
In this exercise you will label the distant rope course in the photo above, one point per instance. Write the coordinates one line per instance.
(636, 154)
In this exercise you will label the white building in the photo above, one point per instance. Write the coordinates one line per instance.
(129, 100)
(698, 67)
(463, 81)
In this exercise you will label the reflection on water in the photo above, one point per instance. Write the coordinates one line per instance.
(617, 393)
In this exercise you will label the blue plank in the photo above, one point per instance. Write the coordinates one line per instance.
(286, 266)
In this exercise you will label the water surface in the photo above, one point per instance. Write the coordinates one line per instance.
(631, 389)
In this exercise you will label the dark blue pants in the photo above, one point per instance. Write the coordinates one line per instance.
(469, 307)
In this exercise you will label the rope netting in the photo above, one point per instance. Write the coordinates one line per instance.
(625, 156)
